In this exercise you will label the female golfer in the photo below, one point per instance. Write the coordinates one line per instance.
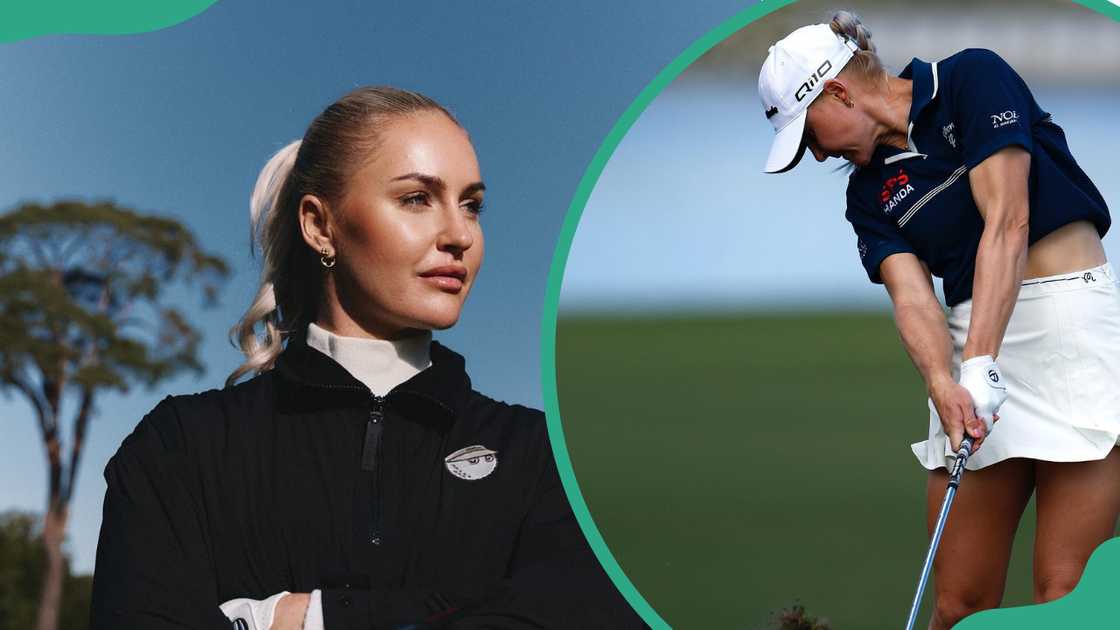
(959, 173)
(357, 481)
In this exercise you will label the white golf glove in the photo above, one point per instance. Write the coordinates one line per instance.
(252, 614)
(984, 382)
(258, 614)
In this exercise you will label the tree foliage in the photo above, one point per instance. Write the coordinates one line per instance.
(84, 307)
(81, 303)
(22, 565)
(75, 280)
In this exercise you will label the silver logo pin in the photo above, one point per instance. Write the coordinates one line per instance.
(472, 463)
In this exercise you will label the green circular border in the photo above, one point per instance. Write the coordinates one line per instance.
(552, 304)
(30, 18)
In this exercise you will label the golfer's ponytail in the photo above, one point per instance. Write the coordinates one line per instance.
(266, 227)
(866, 63)
(291, 289)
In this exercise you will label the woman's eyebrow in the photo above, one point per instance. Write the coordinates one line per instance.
(436, 183)
(473, 188)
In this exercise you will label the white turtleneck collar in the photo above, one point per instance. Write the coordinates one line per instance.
(380, 365)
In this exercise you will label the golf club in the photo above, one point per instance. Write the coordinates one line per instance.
(954, 480)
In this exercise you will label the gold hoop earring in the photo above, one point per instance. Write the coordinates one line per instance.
(327, 260)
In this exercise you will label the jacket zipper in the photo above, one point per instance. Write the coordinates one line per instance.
(371, 454)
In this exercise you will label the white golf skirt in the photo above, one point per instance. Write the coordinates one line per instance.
(1060, 359)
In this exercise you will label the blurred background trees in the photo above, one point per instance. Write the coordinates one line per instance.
(87, 294)
(23, 563)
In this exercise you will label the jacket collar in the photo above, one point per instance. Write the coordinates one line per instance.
(309, 379)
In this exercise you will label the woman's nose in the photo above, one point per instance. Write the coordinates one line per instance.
(817, 152)
(456, 233)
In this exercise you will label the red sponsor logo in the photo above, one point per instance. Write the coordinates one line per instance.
(893, 184)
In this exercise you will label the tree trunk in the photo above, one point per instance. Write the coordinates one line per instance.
(50, 599)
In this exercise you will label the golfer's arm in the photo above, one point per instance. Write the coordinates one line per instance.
(919, 317)
(999, 187)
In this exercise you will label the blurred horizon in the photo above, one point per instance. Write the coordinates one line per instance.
(1054, 52)
(683, 218)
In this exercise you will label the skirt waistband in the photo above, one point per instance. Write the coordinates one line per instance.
(1101, 275)
(1071, 281)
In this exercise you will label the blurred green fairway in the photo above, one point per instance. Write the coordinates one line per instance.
(737, 463)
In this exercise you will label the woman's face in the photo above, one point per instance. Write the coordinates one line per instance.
(835, 129)
(407, 235)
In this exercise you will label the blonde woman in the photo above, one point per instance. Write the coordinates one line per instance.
(960, 174)
(357, 480)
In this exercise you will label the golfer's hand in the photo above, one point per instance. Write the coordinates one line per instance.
(982, 378)
(290, 612)
(955, 409)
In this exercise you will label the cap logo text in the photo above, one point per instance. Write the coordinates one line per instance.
(812, 81)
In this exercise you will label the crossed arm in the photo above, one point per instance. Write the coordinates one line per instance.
(155, 571)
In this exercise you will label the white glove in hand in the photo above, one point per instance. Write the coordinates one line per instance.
(251, 614)
(258, 614)
(982, 378)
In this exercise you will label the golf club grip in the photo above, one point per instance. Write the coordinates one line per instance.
(966, 447)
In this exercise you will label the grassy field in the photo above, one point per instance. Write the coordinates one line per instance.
(724, 459)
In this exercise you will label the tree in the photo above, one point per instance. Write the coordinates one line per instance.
(83, 309)
(22, 565)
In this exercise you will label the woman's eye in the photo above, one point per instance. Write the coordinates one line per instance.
(474, 206)
(415, 199)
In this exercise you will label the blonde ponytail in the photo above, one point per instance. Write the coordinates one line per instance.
(264, 217)
(866, 62)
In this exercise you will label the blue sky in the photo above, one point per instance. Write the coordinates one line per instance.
(179, 122)
(684, 218)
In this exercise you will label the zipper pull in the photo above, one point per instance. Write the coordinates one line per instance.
(373, 436)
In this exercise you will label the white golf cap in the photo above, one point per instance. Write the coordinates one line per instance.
(792, 76)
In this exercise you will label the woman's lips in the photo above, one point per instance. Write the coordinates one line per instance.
(448, 278)
(450, 284)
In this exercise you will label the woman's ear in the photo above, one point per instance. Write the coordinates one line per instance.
(839, 91)
(315, 225)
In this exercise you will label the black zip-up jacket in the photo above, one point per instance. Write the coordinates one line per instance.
(300, 479)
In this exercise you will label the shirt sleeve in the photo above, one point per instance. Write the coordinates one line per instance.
(153, 569)
(877, 236)
(991, 106)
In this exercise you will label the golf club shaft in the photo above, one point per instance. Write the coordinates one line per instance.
(954, 480)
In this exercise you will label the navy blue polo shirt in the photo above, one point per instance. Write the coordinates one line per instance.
(965, 108)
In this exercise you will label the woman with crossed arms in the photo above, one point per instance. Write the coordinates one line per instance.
(357, 480)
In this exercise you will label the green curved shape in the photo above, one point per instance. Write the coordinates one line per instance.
(1092, 604)
(1093, 598)
(556, 278)
(27, 19)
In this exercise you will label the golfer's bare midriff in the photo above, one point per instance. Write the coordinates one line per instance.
(1072, 247)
